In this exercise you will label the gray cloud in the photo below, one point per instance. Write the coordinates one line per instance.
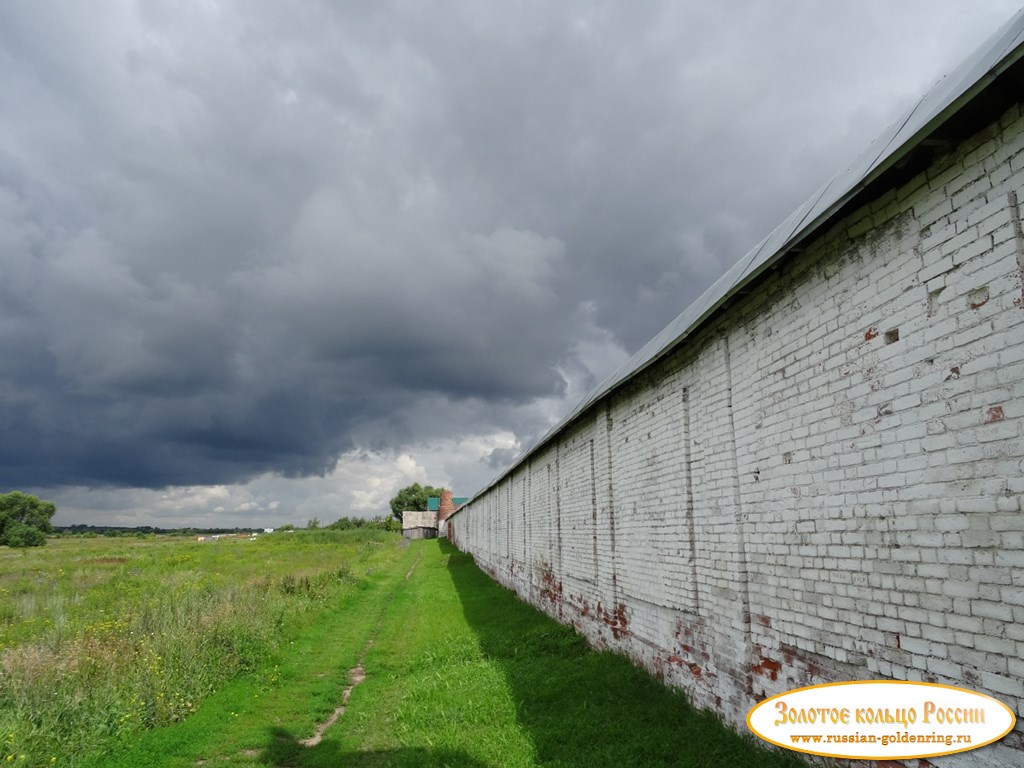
(249, 238)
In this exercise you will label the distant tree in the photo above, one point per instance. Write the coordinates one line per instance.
(381, 523)
(24, 519)
(412, 498)
(313, 524)
(387, 524)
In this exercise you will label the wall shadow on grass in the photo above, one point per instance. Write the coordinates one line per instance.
(285, 751)
(584, 708)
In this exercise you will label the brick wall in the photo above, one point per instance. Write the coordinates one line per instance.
(824, 483)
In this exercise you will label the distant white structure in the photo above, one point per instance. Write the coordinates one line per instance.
(419, 524)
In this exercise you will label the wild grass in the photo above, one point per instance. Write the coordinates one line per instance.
(101, 639)
(459, 672)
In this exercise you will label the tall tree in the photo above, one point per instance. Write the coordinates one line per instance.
(24, 519)
(412, 498)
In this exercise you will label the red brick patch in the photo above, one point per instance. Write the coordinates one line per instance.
(994, 414)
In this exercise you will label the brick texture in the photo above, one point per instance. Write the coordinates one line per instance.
(446, 508)
(825, 483)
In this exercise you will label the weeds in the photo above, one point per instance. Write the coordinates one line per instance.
(102, 639)
(459, 671)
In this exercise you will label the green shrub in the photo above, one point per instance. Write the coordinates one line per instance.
(18, 534)
(24, 519)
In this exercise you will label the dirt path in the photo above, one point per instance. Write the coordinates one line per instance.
(357, 674)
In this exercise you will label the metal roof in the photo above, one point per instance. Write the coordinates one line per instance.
(434, 502)
(938, 105)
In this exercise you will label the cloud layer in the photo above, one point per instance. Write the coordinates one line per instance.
(251, 240)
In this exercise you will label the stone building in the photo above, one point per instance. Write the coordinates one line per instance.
(419, 525)
(432, 522)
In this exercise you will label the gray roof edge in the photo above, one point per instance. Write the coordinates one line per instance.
(946, 97)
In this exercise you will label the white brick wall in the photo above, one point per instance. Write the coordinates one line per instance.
(823, 484)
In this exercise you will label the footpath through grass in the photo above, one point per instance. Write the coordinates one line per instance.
(459, 673)
(102, 639)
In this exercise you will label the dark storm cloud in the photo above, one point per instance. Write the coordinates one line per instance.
(239, 238)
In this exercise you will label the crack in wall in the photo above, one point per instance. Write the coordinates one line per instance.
(1018, 234)
(691, 523)
(611, 501)
(743, 569)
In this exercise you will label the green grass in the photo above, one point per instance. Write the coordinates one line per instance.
(458, 673)
(102, 639)
(467, 674)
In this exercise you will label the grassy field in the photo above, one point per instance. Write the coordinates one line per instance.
(138, 653)
(465, 674)
(103, 639)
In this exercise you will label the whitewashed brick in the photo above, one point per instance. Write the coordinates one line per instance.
(790, 487)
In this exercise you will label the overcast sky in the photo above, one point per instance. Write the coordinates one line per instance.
(264, 261)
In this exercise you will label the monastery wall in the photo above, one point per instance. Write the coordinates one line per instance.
(824, 483)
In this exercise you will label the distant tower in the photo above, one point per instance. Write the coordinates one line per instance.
(447, 508)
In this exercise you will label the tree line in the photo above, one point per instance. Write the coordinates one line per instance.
(25, 520)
